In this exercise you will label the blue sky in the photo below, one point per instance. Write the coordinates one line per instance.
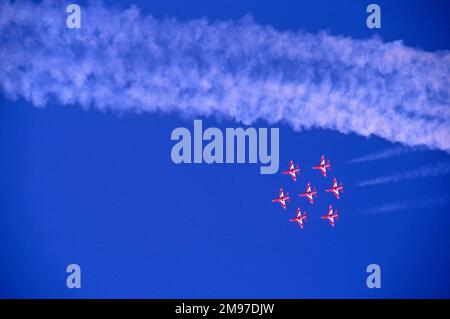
(99, 189)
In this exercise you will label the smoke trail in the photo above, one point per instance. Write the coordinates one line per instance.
(400, 206)
(387, 153)
(124, 61)
(437, 169)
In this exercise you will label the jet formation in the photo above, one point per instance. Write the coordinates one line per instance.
(310, 193)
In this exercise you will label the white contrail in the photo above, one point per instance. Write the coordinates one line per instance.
(405, 205)
(124, 61)
(387, 153)
(437, 169)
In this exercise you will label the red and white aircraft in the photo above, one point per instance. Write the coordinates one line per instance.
(323, 166)
(299, 219)
(335, 188)
(292, 170)
(309, 193)
(331, 216)
(282, 199)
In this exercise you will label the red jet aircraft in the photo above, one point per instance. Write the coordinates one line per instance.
(335, 188)
(331, 216)
(323, 166)
(292, 170)
(282, 199)
(299, 219)
(309, 193)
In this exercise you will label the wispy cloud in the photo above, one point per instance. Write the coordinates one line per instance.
(124, 61)
(387, 153)
(437, 169)
(405, 205)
